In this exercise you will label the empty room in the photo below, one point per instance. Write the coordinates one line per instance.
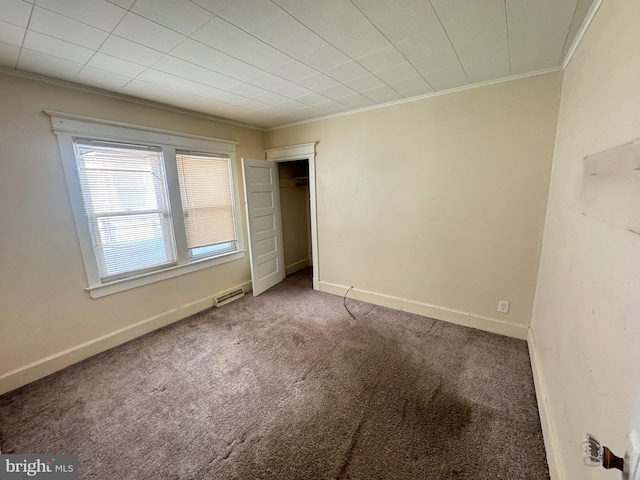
(337, 239)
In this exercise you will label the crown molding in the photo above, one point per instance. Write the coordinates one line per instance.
(583, 29)
(121, 96)
(421, 97)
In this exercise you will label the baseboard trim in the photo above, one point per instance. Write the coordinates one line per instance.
(48, 365)
(295, 266)
(467, 319)
(551, 444)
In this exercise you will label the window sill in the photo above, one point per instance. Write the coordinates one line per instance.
(105, 289)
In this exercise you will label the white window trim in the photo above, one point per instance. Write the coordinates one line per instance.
(69, 126)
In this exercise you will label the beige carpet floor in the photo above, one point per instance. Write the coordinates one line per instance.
(288, 386)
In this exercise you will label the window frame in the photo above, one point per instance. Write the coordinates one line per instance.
(68, 127)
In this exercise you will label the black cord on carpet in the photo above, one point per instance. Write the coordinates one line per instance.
(344, 301)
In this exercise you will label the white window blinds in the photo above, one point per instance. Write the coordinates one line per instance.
(207, 202)
(125, 200)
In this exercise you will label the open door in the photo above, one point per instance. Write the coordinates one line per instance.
(262, 200)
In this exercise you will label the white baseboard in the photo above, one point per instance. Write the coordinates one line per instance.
(295, 266)
(48, 365)
(551, 444)
(467, 319)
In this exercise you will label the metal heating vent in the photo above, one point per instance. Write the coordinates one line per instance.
(228, 297)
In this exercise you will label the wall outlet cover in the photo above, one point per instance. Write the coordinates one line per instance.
(503, 306)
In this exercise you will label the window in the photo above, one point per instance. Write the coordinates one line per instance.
(148, 204)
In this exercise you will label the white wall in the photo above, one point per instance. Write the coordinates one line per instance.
(47, 319)
(586, 318)
(437, 206)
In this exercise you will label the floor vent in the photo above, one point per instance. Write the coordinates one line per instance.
(228, 297)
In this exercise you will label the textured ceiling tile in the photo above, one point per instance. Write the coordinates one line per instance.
(456, 9)
(538, 32)
(398, 72)
(355, 100)
(179, 15)
(336, 91)
(346, 71)
(487, 68)
(245, 89)
(126, 4)
(97, 13)
(198, 53)
(428, 42)
(223, 36)
(15, 12)
(484, 47)
(382, 59)
(330, 19)
(317, 82)
(362, 41)
(405, 23)
(382, 94)
(293, 71)
(130, 51)
(101, 78)
(43, 64)
(292, 90)
(237, 69)
(324, 58)
(214, 6)
(176, 66)
(58, 48)
(267, 81)
(213, 55)
(11, 34)
(437, 61)
(145, 32)
(64, 28)
(116, 65)
(447, 78)
(468, 29)
(365, 82)
(403, 86)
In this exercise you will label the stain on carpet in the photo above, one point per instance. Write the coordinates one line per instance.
(288, 386)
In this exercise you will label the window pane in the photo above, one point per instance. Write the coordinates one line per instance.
(131, 243)
(205, 190)
(124, 192)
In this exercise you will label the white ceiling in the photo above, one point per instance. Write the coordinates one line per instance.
(273, 62)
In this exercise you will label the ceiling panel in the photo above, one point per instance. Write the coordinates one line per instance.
(97, 13)
(130, 51)
(56, 48)
(15, 12)
(276, 61)
(11, 34)
(65, 28)
(145, 32)
(115, 65)
(101, 78)
(537, 32)
(180, 16)
(44, 64)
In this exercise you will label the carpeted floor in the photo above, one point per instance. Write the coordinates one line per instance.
(288, 386)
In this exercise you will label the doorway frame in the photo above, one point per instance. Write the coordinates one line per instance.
(303, 151)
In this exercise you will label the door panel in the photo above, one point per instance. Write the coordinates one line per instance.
(262, 200)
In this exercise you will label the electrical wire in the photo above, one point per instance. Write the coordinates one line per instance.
(344, 301)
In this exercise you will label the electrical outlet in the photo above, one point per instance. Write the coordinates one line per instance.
(503, 306)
